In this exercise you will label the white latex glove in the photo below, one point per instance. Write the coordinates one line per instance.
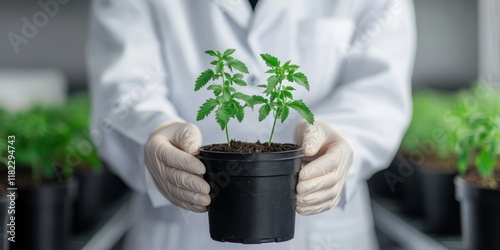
(328, 157)
(169, 155)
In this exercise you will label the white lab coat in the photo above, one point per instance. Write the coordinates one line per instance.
(143, 59)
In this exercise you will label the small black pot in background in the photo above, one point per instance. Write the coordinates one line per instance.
(4, 215)
(114, 188)
(43, 216)
(440, 208)
(88, 204)
(411, 194)
(253, 195)
(379, 182)
(480, 211)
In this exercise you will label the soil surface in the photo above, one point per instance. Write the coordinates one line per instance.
(473, 178)
(432, 162)
(246, 147)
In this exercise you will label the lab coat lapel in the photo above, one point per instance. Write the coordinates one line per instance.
(239, 11)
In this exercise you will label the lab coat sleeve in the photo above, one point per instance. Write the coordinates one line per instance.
(128, 88)
(371, 103)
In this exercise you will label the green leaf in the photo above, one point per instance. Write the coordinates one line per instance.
(289, 88)
(228, 52)
(272, 82)
(284, 113)
(301, 79)
(222, 116)
(287, 94)
(240, 113)
(246, 98)
(262, 86)
(211, 52)
(303, 110)
(237, 64)
(240, 82)
(264, 112)
(214, 62)
(216, 88)
(206, 108)
(270, 60)
(219, 67)
(463, 162)
(257, 99)
(485, 161)
(238, 76)
(203, 79)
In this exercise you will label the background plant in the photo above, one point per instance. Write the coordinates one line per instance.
(49, 139)
(428, 127)
(228, 71)
(278, 98)
(475, 133)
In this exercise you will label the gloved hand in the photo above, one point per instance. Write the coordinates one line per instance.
(328, 157)
(169, 155)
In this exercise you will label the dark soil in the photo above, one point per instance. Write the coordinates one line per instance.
(24, 180)
(474, 178)
(432, 162)
(246, 147)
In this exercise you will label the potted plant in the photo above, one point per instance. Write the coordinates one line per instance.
(476, 135)
(430, 152)
(45, 190)
(81, 155)
(252, 184)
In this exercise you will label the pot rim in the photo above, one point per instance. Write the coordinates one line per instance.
(261, 153)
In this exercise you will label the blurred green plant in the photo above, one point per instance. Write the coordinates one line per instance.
(51, 140)
(475, 131)
(427, 130)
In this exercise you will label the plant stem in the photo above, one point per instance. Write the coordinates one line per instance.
(272, 130)
(227, 137)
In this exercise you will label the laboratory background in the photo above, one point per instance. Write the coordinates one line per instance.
(421, 200)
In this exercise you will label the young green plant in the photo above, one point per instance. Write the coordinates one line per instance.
(278, 98)
(475, 133)
(228, 71)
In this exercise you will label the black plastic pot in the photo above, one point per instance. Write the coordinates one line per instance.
(88, 204)
(4, 215)
(480, 211)
(379, 183)
(115, 187)
(440, 208)
(43, 216)
(411, 197)
(253, 195)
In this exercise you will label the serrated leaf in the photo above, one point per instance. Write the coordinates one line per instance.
(211, 52)
(238, 76)
(293, 66)
(239, 112)
(287, 94)
(231, 89)
(289, 88)
(485, 161)
(222, 116)
(264, 112)
(301, 80)
(216, 88)
(228, 52)
(214, 62)
(272, 82)
(228, 76)
(271, 71)
(284, 113)
(259, 99)
(286, 64)
(206, 108)
(240, 82)
(238, 65)
(246, 98)
(270, 60)
(303, 110)
(203, 79)
(219, 67)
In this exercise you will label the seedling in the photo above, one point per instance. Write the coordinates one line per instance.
(475, 133)
(227, 99)
(278, 96)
